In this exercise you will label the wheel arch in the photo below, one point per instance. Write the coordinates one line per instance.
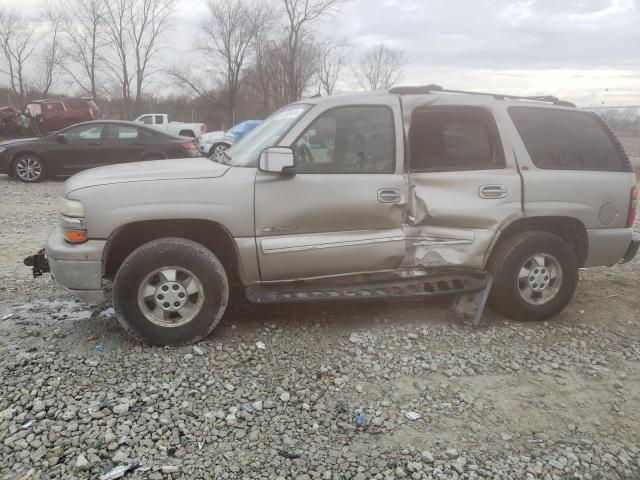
(570, 229)
(212, 235)
(187, 133)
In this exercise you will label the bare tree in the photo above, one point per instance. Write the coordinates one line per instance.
(117, 28)
(50, 56)
(148, 21)
(230, 28)
(134, 28)
(380, 67)
(299, 15)
(18, 44)
(84, 43)
(332, 57)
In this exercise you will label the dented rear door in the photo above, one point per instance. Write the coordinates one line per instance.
(464, 184)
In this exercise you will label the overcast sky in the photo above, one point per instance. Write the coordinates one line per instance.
(587, 51)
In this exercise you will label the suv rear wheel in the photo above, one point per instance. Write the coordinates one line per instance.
(170, 291)
(535, 276)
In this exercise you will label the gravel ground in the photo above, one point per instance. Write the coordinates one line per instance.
(382, 390)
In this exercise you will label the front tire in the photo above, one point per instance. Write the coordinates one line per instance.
(170, 291)
(535, 276)
(29, 168)
(218, 149)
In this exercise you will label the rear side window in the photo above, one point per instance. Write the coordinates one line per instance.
(78, 103)
(454, 138)
(159, 119)
(567, 140)
(122, 132)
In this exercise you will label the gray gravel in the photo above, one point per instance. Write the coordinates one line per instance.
(313, 391)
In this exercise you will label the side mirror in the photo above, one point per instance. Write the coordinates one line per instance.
(61, 138)
(276, 160)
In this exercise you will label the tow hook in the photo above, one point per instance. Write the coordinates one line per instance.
(38, 263)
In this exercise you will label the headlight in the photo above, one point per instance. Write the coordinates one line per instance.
(70, 208)
(2, 149)
(71, 218)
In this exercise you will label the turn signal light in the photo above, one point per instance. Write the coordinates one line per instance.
(75, 236)
(188, 146)
(633, 204)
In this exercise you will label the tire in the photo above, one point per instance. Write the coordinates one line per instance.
(535, 276)
(217, 149)
(29, 168)
(138, 287)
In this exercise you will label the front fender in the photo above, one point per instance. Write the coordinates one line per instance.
(227, 200)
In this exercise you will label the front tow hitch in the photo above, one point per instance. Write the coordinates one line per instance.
(38, 263)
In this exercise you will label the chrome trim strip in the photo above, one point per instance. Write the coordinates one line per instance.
(321, 246)
(433, 241)
(417, 242)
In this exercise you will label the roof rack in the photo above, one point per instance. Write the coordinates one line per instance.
(426, 89)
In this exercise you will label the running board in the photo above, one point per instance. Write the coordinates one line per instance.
(473, 290)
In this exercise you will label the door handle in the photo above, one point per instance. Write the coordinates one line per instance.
(493, 191)
(388, 195)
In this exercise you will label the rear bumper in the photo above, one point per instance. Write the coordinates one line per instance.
(607, 246)
(632, 251)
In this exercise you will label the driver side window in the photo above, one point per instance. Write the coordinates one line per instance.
(357, 139)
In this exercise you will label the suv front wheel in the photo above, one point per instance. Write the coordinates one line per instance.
(170, 291)
(535, 276)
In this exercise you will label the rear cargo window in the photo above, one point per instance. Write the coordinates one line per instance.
(567, 140)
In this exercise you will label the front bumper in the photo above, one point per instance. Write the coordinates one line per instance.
(632, 251)
(5, 163)
(78, 267)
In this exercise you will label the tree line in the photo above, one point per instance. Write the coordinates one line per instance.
(253, 56)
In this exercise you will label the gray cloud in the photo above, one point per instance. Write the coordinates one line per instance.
(501, 34)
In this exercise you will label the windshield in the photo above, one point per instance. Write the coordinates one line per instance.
(247, 152)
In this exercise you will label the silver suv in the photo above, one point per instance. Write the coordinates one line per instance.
(415, 191)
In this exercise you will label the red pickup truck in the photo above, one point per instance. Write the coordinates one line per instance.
(53, 115)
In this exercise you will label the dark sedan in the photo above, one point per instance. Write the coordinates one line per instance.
(87, 145)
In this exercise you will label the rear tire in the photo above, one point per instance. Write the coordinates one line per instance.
(170, 291)
(29, 168)
(535, 276)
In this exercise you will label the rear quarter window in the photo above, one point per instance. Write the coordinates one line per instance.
(568, 140)
(78, 103)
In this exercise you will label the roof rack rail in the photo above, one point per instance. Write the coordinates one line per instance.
(426, 89)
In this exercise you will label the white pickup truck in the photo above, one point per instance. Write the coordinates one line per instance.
(160, 121)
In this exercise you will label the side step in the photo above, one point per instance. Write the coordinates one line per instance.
(473, 290)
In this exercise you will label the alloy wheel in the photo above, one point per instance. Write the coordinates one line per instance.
(28, 168)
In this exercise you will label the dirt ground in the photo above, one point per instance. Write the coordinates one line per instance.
(559, 399)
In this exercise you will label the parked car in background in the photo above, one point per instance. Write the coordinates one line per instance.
(54, 115)
(88, 145)
(9, 120)
(214, 143)
(412, 192)
(160, 122)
